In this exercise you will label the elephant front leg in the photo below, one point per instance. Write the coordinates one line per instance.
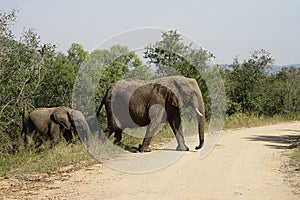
(55, 132)
(68, 135)
(175, 123)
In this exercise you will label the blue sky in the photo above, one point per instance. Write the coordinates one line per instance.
(227, 28)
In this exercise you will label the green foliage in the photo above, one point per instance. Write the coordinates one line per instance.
(6, 20)
(21, 65)
(251, 88)
(57, 84)
(76, 55)
(245, 83)
(172, 56)
(140, 72)
(288, 91)
(248, 78)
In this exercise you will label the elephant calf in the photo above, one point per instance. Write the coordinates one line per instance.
(50, 124)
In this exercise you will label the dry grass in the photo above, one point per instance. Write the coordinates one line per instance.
(241, 120)
(46, 161)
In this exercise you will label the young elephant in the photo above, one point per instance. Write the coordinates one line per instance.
(50, 124)
(132, 104)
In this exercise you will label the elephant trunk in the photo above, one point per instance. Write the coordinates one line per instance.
(196, 101)
(201, 120)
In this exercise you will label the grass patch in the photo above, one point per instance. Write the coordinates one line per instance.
(296, 157)
(242, 120)
(46, 161)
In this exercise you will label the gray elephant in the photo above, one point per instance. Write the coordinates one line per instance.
(50, 124)
(132, 104)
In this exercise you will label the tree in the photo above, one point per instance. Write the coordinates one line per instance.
(139, 71)
(245, 83)
(58, 80)
(57, 84)
(22, 64)
(76, 55)
(287, 84)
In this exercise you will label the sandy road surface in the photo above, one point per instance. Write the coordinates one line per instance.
(245, 164)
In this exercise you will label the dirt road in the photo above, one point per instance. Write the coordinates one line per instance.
(245, 164)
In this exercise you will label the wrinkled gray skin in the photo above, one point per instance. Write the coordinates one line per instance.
(50, 124)
(132, 104)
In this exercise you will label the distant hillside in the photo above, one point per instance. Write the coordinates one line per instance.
(274, 68)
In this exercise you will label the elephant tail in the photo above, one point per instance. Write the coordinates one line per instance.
(102, 103)
(26, 129)
(24, 122)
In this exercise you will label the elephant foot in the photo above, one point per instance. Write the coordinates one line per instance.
(200, 145)
(144, 149)
(182, 148)
(118, 143)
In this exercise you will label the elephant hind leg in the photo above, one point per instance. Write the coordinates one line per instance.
(108, 131)
(118, 137)
(151, 130)
(36, 140)
(157, 116)
(103, 136)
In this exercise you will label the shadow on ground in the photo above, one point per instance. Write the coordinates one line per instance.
(288, 141)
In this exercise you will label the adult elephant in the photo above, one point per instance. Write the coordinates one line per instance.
(132, 104)
(50, 124)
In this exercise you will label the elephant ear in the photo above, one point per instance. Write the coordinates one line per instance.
(182, 89)
(185, 91)
(80, 125)
(186, 88)
(174, 89)
(168, 94)
(61, 116)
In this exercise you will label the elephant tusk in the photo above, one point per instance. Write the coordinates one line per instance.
(198, 112)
